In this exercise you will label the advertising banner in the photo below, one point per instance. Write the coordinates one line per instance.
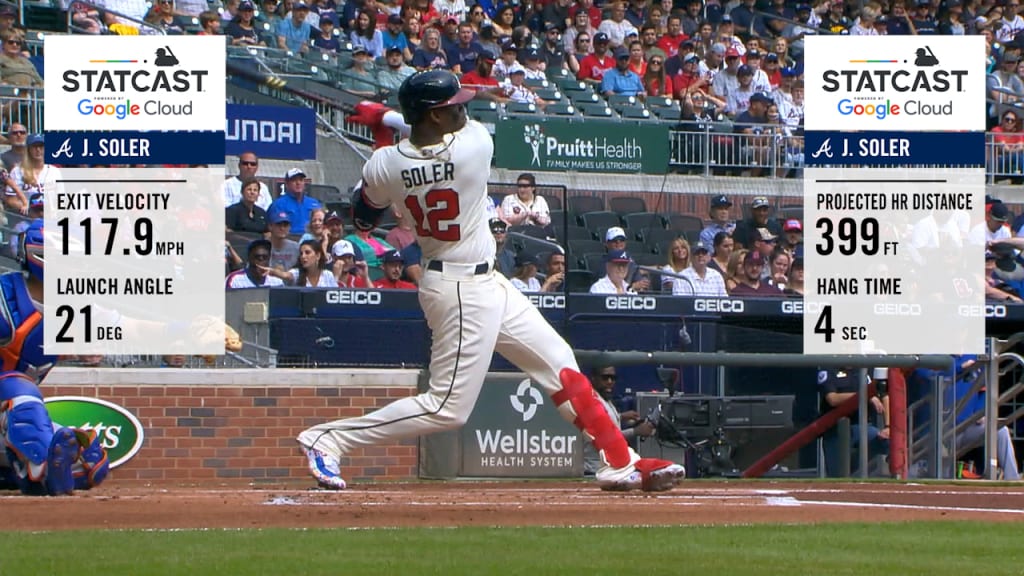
(581, 147)
(278, 132)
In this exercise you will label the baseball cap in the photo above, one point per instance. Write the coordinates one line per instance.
(300, 5)
(789, 72)
(524, 259)
(761, 97)
(395, 19)
(765, 235)
(701, 247)
(803, 7)
(753, 257)
(999, 212)
(792, 225)
(720, 201)
(8, 11)
(497, 224)
(726, 19)
(34, 139)
(533, 55)
(332, 217)
(359, 50)
(614, 233)
(295, 172)
(259, 243)
(753, 54)
(393, 50)
(488, 57)
(1008, 57)
(327, 19)
(617, 256)
(771, 57)
(732, 53)
(393, 256)
(278, 217)
(246, 6)
(600, 37)
(508, 46)
(691, 57)
(517, 70)
(621, 52)
(719, 48)
(760, 202)
(343, 248)
(36, 200)
(746, 70)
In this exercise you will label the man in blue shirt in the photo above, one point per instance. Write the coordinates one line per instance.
(294, 201)
(294, 33)
(622, 80)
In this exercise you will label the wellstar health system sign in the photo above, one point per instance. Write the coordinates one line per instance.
(581, 147)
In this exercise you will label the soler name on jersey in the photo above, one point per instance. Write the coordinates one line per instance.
(430, 174)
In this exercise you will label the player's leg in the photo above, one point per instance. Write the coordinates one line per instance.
(40, 454)
(1006, 455)
(528, 341)
(464, 321)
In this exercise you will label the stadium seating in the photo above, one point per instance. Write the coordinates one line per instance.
(643, 220)
(579, 247)
(600, 221)
(685, 223)
(627, 205)
(581, 204)
(580, 280)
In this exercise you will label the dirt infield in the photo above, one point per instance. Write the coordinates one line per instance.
(511, 504)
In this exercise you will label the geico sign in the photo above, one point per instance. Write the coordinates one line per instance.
(892, 309)
(369, 297)
(800, 307)
(548, 301)
(715, 305)
(630, 303)
(986, 311)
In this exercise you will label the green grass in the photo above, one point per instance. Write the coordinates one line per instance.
(929, 549)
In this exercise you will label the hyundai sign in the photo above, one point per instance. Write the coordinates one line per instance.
(277, 132)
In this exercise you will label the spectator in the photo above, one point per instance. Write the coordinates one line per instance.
(1008, 145)
(392, 37)
(395, 71)
(402, 234)
(30, 176)
(294, 201)
(996, 289)
(327, 41)
(162, 17)
(722, 246)
(248, 164)
(256, 273)
(312, 269)
(656, 83)
(84, 18)
(757, 144)
(269, 16)
(617, 264)
(348, 271)
(581, 27)
(508, 62)
(594, 65)
(649, 43)
(604, 380)
(526, 207)
(366, 35)
(778, 268)
(765, 243)
(412, 255)
(836, 387)
(413, 30)
(865, 24)
(505, 259)
(761, 82)
(35, 210)
(551, 54)
(791, 112)
(1012, 23)
(555, 270)
(587, 7)
(534, 67)
(293, 34)
(371, 247)
(242, 28)
(689, 80)
(616, 27)
(1005, 87)
(749, 281)
(335, 231)
(691, 19)
(795, 286)
(429, 55)
(637, 12)
(463, 55)
(452, 9)
(209, 21)
(245, 215)
(572, 60)
(284, 254)
(678, 260)
(952, 24)
(792, 235)
(555, 15)
(504, 22)
(524, 278)
(674, 36)
(746, 17)
(835, 20)
(392, 280)
(734, 271)
(615, 241)
(15, 67)
(359, 78)
(621, 80)
(316, 230)
(478, 19)
(637, 59)
(727, 81)
(720, 221)
(994, 227)
(16, 135)
(738, 101)
(516, 89)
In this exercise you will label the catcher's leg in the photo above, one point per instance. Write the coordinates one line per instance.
(529, 342)
(464, 320)
(92, 465)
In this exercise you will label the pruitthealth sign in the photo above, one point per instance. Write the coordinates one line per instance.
(894, 83)
(581, 147)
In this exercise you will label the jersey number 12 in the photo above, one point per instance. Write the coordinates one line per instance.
(442, 206)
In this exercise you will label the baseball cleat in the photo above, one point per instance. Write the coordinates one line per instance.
(325, 469)
(659, 475)
(60, 460)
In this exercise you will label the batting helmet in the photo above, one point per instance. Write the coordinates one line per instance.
(430, 89)
(32, 249)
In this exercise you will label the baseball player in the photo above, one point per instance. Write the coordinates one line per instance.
(438, 178)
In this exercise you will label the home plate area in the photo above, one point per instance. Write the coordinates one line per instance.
(511, 504)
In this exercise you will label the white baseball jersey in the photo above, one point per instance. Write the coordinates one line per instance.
(442, 189)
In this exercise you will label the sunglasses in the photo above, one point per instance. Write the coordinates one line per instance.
(13, 42)
(19, 132)
(655, 62)
(1009, 119)
(498, 230)
(583, 40)
(248, 163)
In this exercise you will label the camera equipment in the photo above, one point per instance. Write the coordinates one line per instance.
(700, 423)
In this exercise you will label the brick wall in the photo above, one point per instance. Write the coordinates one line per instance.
(239, 426)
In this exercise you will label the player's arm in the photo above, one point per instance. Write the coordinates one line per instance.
(369, 202)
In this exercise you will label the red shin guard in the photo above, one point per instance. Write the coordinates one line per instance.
(591, 417)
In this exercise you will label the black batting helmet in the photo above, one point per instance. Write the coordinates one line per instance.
(430, 89)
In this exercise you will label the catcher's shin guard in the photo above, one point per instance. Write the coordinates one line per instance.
(27, 433)
(60, 462)
(92, 465)
(578, 403)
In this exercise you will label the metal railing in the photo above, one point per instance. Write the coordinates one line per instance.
(22, 104)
